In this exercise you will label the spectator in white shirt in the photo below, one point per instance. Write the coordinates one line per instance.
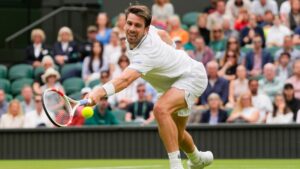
(14, 117)
(285, 10)
(216, 18)
(259, 7)
(28, 103)
(233, 7)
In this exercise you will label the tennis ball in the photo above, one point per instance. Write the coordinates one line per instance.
(87, 112)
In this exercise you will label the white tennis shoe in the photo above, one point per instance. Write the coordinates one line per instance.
(206, 159)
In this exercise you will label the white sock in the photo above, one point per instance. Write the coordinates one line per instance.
(175, 160)
(194, 156)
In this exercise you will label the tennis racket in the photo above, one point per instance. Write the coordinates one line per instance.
(59, 108)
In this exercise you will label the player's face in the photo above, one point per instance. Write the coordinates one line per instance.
(135, 29)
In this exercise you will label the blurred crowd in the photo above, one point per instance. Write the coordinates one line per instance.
(250, 50)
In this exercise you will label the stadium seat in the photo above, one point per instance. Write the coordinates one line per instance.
(5, 85)
(72, 85)
(37, 71)
(8, 97)
(19, 97)
(75, 96)
(185, 27)
(20, 71)
(273, 50)
(3, 71)
(120, 115)
(114, 20)
(190, 18)
(93, 83)
(245, 50)
(70, 70)
(17, 85)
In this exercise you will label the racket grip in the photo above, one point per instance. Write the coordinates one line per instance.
(85, 101)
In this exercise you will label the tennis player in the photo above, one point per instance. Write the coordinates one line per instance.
(178, 78)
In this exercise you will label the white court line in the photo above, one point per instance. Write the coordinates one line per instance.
(122, 167)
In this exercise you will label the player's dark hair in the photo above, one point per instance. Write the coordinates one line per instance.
(141, 11)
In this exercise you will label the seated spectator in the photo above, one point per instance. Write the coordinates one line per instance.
(285, 9)
(276, 33)
(176, 30)
(104, 31)
(215, 114)
(288, 47)
(114, 58)
(65, 49)
(267, 22)
(3, 103)
(295, 79)
(122, 65)
(242, 20)
(281, 113)
(228, 30)
(217, 17)
(211, 7)
(78, 119)
(202, 53)
(216, 84)
(93, 65)
(203, 31)
(247, 34)
(37, 117)
(113, 47)
(257, 58)
(270, 84)
(260, 100)
(233, 45)
(120, 24)
(140, 111)
(86, 47)
(178, 43)
(244, 112)
(28, 103)
(217, 42)
(293, 19)
(233, 7)
(161, 11)
(51, 79)
(284, 69)
(228, 65)
(193, 34)
(237, 86)
(292, 102)
(37, 50)
(102, 115)
(14, 117)
(47, 62)
(259, 7)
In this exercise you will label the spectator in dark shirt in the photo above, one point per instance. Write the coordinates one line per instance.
(248, 33)
(292, 102)
(86, 47)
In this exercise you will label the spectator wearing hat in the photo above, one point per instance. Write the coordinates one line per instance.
(202, 53)
(51, 80)
(288, 47)
(292, 102)
(28, 103)
(86, 47)
(3, 103)
(176, 30)
(283, 68)
(295, 79)
(37, 50)
(14, 118)
(179, 45)
(104, 31)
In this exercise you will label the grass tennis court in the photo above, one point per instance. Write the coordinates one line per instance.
(143, 164)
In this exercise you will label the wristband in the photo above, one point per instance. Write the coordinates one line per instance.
(109, 89)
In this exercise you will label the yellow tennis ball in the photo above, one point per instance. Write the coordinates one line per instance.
(87, 112)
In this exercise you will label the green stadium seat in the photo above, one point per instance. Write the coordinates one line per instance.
(93, 83)
(75, 96)
(185, 27)
(190, 18)
(273, 50)
(3, 71)
(73, 84)
(19, 97)
(66, 70)
(20, 71)
(120, 115)
(114, 20)
(246, 50)
(8, 97)
(5, 85)
(38, 71)
(17, 85)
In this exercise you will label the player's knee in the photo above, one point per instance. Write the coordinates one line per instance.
(160, 111)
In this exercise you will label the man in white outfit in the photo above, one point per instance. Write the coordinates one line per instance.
(178, 78)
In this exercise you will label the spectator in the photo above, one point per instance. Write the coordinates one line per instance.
(28, 103)
(218, 42)
(277, 33)
(203, 31)
(202, 53)
(216, 84)
(215, 114)
(51, 79)
(233, 7)
(283, 69)
(114, 58)
(270, 84)
(211, 8)
(113, 47)
(178, 43)
(14, 117)
(288, 47)
(104, 32)
(37, 117)
(243, 19)
(122, 65)
(285, 10)
(86, 47)
(259, 7)
(292, 102)
(161, 11)
(175, 29)
(294, 16)
(281, 113)
(193, 34)
(248, 33)
(120, 24)
(295, 79)
(37, 50)
(228, 30)
(104, 77)
(260, 100)
(140, 111)
(78, 119)
(217, 16)
(267, 22)
(3, 103)
(65, 49)
(255, 60)
(102, 115)
(93, 65)
(237, 86)
(47, 62)
(228, 64)
(244, 112)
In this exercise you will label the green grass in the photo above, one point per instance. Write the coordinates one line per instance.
(143, 164)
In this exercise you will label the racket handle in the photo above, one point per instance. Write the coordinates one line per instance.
(85, 101)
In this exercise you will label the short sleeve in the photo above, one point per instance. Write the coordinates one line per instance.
(141, 64)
